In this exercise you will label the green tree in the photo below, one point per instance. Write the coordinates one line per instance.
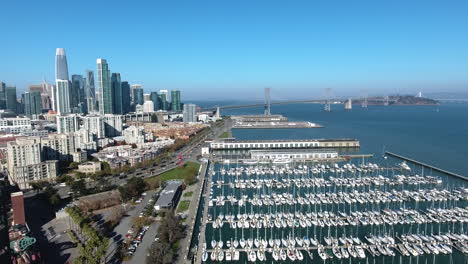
(78, 187)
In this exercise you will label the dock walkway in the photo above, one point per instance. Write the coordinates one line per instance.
(206, 194)
(427, 165)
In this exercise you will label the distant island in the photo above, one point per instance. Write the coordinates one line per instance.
(398, 100)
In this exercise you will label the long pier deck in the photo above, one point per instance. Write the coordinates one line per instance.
(427, 165)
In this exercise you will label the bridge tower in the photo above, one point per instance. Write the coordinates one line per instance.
(267, 102)
(327, 100)
(364, 99)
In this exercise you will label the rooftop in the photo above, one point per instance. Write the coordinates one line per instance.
(167, 195)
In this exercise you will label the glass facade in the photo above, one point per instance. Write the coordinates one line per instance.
(105, 88)
(117, 94)
(90, 92)
(155, 98)
(126, 106)
(32, 103)
(10, 98)
(175, 101)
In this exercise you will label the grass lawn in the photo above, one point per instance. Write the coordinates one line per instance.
(183, 206)
(188, 194)
(224, 135)
(187, 172)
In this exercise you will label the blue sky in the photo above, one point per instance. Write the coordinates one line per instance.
(233, 49)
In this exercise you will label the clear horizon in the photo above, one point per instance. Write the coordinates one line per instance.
(219, 50)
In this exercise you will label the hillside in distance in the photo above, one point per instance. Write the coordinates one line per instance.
(398, 100)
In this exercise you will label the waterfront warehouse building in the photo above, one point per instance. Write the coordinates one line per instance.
(169, 196)
(285, 144)
(294, 154)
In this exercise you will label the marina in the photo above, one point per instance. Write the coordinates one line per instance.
(329, 211)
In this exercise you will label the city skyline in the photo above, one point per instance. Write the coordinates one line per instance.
(228, 50)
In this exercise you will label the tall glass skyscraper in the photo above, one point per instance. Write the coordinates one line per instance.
(126, 98)
(90, 92)
(117, 94)
(155, 98)
(175, 100)
(137, 95)
(163, 101)
(32, 103)
(105, 88)
(10, 99)
(2, 95)
(77, 93)
(61, 93)
(61, 66)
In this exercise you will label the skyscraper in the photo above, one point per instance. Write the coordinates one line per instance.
(61, 93)
(10, 99)
(163, 101)
(155, 98)
(32, 103)
(61, 66)
(190, 113)
(175, 100)
(2, 95)
(137, 94)
(62, 97)
(117, 94)
(77, 94)
(126, 107)
(90, 92)
(105, 88)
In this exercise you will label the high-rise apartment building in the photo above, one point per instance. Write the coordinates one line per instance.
(67, 123)
(190, 113)
(32, 103)
(90, 92)
(24, 162)
(62, 97)
(105, 88)
(126, 100)
(113, 125)
(148, 107)
(117, 103)
(94, 125)
(175, 101)
(58, 147)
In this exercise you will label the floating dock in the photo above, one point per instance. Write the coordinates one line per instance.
(426, 165)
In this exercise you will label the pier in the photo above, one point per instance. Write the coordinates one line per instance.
(426, 165)
(207, 183)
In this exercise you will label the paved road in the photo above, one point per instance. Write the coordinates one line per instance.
(126, 223)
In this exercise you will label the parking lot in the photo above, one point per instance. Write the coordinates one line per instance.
(139, 242)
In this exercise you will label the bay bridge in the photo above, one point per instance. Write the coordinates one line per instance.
(325, 101)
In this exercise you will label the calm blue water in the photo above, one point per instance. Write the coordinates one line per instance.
(438, 138)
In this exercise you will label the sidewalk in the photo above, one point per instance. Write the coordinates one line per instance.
(191, 214)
